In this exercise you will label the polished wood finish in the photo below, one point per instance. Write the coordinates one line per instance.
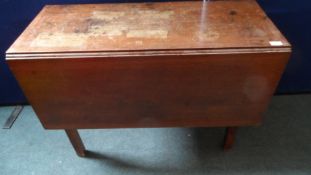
(172, 64)
(76, 141)
(229, 138)
(153, 91)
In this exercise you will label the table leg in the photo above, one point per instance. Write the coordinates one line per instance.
(76, 141)
(229, 137)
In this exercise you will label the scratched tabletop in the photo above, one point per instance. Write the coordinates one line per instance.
(149, 26)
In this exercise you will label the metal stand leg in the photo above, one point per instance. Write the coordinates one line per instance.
(10, 121)
(229, 138)
(76, 141)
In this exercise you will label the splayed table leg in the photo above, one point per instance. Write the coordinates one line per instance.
(76, 141)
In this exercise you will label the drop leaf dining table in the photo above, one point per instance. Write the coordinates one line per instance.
(160, 64)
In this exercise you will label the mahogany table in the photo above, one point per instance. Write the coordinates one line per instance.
(131, 65)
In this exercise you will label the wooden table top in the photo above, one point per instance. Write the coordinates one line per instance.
(61, 30)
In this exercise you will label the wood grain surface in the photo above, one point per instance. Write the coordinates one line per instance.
(148, 26)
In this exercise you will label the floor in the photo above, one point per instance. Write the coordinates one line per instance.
(282, 145)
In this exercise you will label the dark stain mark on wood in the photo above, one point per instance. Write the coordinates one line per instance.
(95, 22)
(233, 12)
